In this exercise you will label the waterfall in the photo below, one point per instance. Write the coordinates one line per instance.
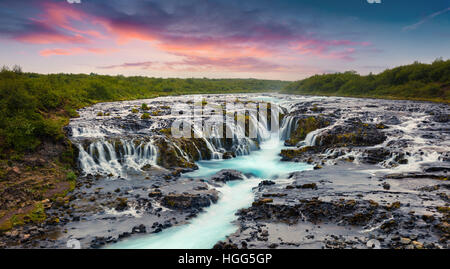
(310, 139)
(116, 158)
(289, 124)
(109, 148)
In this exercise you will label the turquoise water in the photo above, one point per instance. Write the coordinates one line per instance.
(215, 223)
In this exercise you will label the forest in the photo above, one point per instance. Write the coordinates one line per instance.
(417, 81)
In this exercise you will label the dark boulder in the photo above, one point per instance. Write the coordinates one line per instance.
(189, 201)
(352, 132)
(441, 118)
(139, 229)
(227, 175)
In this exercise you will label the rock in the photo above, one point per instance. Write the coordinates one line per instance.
(146, 167)
(121, 204)
(373, 243)
(352, 132)
(417, 244)
(441, 118)
(227, 175)
(405, 241)
(307, 186)
(139, 229)
(376, 155)
(262, 201)
(267, 183)
(386, 186)
(228, 155)
(223, 245)
(274, 245)
(155, 193)
(317, 167)
(188, 201)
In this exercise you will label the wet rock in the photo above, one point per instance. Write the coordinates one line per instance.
(267, 183)
(227, 175)
(139, 229)
(223, 245)
(121, 204)
(405, 241)
(441, 118)
(305, 125)
(155, 193)
(351, 133)
(188, 201)
(262, 201)
(376, 155)
(307, 186)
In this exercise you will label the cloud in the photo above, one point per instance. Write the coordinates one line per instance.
(196, 63)
(424, 20)
(74, 1)
(141, 65)
(212, 36)
(74, 51)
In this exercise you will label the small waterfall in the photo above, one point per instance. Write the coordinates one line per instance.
(87, 132)
(310, 139)
(116, 158)
(289, 124)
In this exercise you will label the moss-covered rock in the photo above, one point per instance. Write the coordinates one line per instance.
(304, 127)
(289, 154)
(145, 116)
(170, 157)
(352, 133)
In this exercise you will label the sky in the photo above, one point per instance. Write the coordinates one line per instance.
(264, 39)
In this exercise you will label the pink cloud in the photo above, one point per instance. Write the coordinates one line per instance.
(74, 51)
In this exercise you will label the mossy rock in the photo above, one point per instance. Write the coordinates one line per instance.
(304, 127)
(289, 154)
(145, 116)
(170, 157)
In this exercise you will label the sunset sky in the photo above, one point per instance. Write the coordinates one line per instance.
(283, 39)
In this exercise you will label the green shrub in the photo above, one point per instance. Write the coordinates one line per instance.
(145, 116)
(71, 176)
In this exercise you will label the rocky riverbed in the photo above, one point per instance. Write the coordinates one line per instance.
(378, 177)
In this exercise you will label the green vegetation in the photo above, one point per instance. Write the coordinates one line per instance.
(304, 127)
(35, 107)
(428, 82)
(145, 116)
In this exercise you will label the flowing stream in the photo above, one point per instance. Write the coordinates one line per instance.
(216, 222)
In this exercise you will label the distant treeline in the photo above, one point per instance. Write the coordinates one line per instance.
(418, 81)
(35, 107)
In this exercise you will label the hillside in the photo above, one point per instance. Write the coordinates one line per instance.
(417, 81)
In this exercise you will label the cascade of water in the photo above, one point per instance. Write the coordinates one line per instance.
(289, 124)
(115, 158)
